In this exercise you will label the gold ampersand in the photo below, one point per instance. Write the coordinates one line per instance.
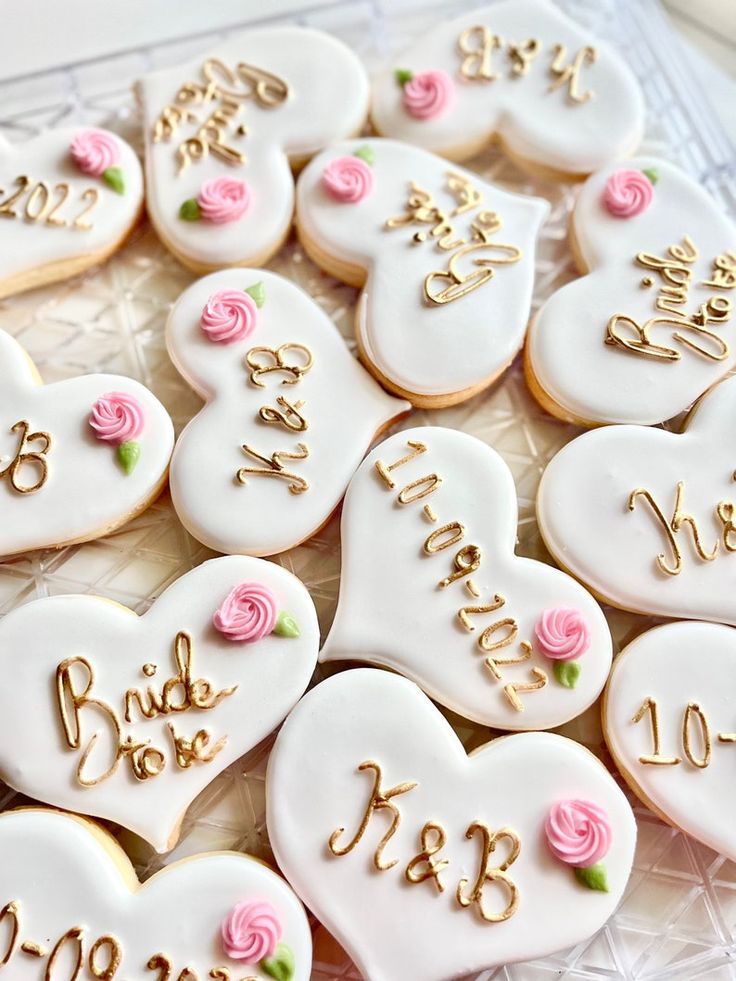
(432, 868)
(25, 457)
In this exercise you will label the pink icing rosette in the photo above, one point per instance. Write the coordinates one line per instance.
(228, 316)
(348, 179)
(628, 193)
(248, 613)
(117, 417)
(562, 634)
(251, 931)
(578, 832)
(428, 94)
(94, 151)
(223, 199)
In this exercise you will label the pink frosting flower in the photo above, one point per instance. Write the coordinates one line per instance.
(248, 613)
(229, 315)
(428, 94)
(628, 193)
(578, 832)
(562, 634)
(117, 417)
(251, 931)
(94, 150)
(348, 179)
(223, 199)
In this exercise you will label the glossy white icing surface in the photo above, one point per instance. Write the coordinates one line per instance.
(566, 345)
(87, 492)
(539, 125)
(270, 675)
(425, 348)
(584, 515)
(27, 244)
(343, 405)
(418, 631)
(314, 788)
(677, 665)
(327, 101)
(63, 873)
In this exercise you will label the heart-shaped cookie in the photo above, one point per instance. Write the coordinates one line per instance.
(68, 199)
(391, 834)
(222, 130)
(645, 517)
(558, 99)
(670, 722)
(431, 587)
(129, 718)
(78, 458)
(651, 327)
(71, 906)
(445, 258)
(289, 415)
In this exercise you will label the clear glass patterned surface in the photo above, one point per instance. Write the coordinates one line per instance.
(678, 917)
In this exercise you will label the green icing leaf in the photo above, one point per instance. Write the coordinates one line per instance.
(366, 153)
(189, 210)
(651, 174)
(286, 625)
(403, 75)
(594, 877)
(128, 455)
(567, 673)
(258, 292)
(115, 179)
(281, 966)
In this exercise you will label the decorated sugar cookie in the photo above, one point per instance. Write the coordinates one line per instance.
(222, 130)
(428, 536)
(78, 458)
(128, 718)
(522, 849)
(559, 100)
(645, 517)
(71, 906)
(68, 199)
(670, 723)
(289, 415)
(651, 327)
(446, 262)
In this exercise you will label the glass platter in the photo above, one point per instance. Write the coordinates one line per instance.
(678, 917)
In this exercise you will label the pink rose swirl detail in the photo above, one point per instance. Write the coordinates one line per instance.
(348, 179)
(562, 634)
(628, 193)
(223, 199)
(247, 614)
(228, 316)
(251, 931)
(94, 151)
(578, 832)
(428, 94)
(117, 417)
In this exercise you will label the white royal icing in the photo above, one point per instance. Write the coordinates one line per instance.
(423, 348)
(270, 675)
(587, 524)
(676, 666)
(327, 100)
(86, 493)
(27, 244)
(567, 351)
(64, 874)
(534, 123)
(419, 632)
(342, 404)
(314, 788)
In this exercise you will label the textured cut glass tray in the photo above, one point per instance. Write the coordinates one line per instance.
(678, 917)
